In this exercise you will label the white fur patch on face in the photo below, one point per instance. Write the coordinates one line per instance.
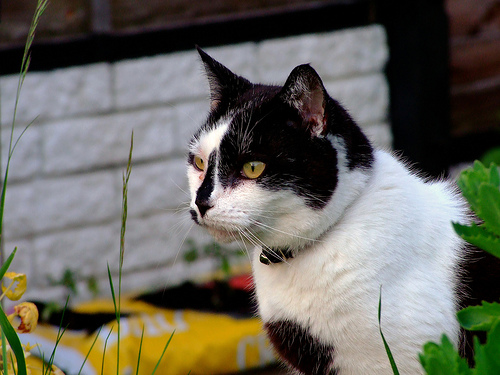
(202, 147)
(210, 141)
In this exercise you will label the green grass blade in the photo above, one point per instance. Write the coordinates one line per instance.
(12, 361)
(91, 347)
(140, 350)
(14, 342)
(164, 350)
(4, 353)
(113, 296)
(126, 177)
(6, 264)
(25, 63)
(117, 315)
(104, 350)
(117, 303)
(40, 9)
(60, 333)
(59, 337)
(386, 345)
(11, 153)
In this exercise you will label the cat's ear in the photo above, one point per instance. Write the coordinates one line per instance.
(304, 91)
(224, 84)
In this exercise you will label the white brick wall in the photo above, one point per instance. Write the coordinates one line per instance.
(64, 197)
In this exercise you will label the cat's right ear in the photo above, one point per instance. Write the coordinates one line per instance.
(224, 84)
(304, 91)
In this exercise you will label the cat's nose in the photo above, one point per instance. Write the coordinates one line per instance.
(203, 206)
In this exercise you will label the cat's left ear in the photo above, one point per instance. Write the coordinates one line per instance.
(224, 84)
(304, 91)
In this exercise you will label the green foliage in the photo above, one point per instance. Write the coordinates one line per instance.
(14, 343)
(117, 302)
(48, 363)
(479, 318)
(481, 187)
(487, 356)
(67, 279)
(6, 264)
(492, 156)
(443, 359)
(8, 332)
(213, 249)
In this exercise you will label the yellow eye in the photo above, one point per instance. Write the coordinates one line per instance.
(253, 169)
(199, 163)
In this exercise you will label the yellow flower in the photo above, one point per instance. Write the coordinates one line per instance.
(16, 288)
(12, 366)
(28, 313)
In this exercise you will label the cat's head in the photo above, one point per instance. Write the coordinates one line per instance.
(274, 165)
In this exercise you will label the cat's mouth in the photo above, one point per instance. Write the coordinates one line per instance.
(220, 234)
(224, 233)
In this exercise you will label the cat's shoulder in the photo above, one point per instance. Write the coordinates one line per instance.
(396, 185)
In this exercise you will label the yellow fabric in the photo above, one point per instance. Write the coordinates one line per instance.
(203, 343)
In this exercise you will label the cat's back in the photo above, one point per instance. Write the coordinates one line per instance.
(399, 232)
(405, 203)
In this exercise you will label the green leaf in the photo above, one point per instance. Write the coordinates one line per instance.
(14, 342)
(469, 181)
(443, 359)
(93, 286)
(481, 317)
(495, 174)
(6, 264)
(191, 255)
(113, 296)
(480, 237)
(489, 206)
(491, 156)
(225, 265)
(487, 356)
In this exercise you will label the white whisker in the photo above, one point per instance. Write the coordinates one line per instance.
(186, 193)
(270, 228)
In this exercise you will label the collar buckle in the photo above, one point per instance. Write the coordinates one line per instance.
(279, 255)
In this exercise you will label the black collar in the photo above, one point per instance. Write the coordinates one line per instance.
(268, 256)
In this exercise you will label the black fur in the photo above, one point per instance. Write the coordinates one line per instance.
(300, 349)
(290, 128)
(284, 127)
(206, 188)
(293, 160)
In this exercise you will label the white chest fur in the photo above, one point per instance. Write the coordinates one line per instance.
(395, 238)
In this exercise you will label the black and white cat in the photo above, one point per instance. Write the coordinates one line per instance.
(333, 221)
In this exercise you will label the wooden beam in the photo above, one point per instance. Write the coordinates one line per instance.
(417, 71)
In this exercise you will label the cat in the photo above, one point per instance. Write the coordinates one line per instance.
(336, 224)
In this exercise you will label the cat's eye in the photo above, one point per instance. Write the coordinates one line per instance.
(253, 169)
(199, 163)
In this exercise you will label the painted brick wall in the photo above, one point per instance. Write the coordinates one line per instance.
(64, 196)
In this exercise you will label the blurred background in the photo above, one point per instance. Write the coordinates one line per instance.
(421, 77)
